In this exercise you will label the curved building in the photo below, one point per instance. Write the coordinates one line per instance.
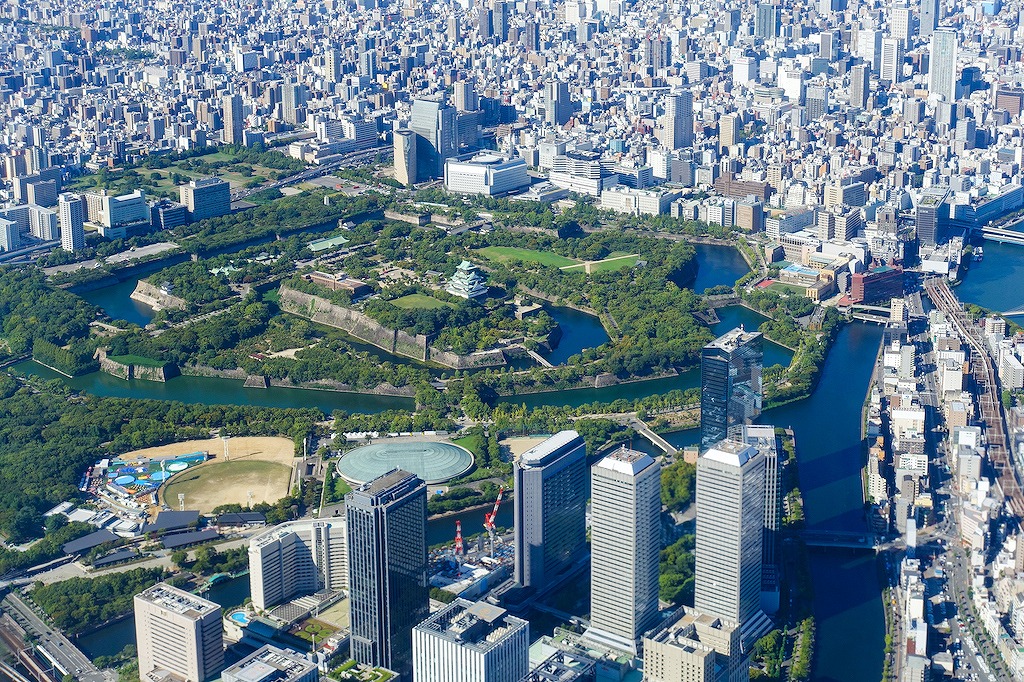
(431, 461)
(296, 559)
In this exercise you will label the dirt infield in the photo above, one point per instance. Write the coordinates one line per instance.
(259, 465)
(265, 449)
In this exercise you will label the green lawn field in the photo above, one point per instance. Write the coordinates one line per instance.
(505, 253)
(419, 301)
(789, 289)
(613, 262)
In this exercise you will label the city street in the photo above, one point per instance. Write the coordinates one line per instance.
(60, 647)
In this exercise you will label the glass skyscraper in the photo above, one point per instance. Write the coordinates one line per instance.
(550, 509)
(387, 568)
(730, 383)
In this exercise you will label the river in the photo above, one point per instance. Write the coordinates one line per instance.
(220, 391)
(988, 283)
(847, 602)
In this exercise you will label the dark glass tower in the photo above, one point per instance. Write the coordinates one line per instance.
(730, 384)
(387, 568)
(550, 509)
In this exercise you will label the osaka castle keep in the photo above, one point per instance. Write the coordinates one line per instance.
(466, 282)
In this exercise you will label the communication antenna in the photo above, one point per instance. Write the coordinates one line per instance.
(181, 501)
(249, 495)
(225, 439)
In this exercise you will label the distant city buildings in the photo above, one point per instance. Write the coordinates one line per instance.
(387, 568)
(550, 500)
(180, 637)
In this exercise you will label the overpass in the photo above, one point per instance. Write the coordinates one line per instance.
(1001, 235)
(840, 538)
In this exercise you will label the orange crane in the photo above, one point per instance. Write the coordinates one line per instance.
(489, 518)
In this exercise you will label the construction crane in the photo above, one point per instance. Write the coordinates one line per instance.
(458, 538)
(489, 518)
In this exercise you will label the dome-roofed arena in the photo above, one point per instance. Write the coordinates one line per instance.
(432, 461)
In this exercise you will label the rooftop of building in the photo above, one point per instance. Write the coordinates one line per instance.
(270, 664)
(733, 339)
(539, 453)
(206, 182)
(394, 479)
(732, 452)
(179, 601)
(626, 461)
(475, 624)
(432, 461)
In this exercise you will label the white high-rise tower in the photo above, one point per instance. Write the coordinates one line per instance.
(625, 539)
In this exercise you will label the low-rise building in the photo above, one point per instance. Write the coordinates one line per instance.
(485, 173)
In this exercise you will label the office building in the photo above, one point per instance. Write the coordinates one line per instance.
(730, 380)
(180, 637)
(165, 214)
(730, 532)
(859, 86)
(876, 286)
(466, 98)
(697, 647)
(930, 10)
(677, 122)
(625, 541)
(296, 559)
(42, 192)
(293, 102)
(550, 509)
(932, 216)
(557, 103)
(942, 64)
(43, 223)
(435, 125)
(332, 65)
(234, 121)
(405, 156)
(816, 101)
(902, 24)
(766, 21)
(891, 69)
(206, 198)
(728, 129)
(119, 215)
(471, 642)
(271, 664)
(485, 173)
(387, 568)
(10, 235)
(762, 437)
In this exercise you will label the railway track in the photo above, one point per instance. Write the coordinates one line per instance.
(989, 399)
